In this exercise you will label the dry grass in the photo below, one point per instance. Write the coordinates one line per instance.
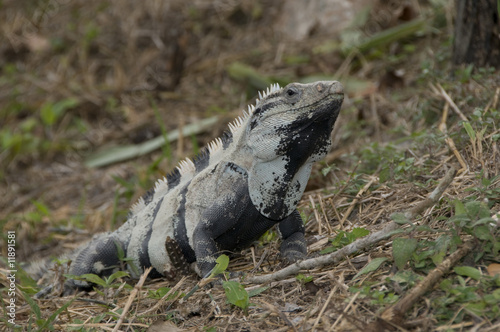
(121, 61)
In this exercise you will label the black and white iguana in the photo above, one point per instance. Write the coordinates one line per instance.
(239, 187)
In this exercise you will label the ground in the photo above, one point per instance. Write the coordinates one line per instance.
(78, 78)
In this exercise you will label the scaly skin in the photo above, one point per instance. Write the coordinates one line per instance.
(240, 186)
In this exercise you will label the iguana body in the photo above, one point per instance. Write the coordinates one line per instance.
(233, 192)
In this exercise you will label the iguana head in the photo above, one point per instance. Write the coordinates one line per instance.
(288, 130)
(297, 116)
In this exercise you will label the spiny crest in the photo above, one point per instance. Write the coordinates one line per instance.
(161, 184)
(271, 89)
(238, 122)
(137, 206)
(187, 167)
(215, 145)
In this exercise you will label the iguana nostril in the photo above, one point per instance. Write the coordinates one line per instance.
(336, 88)
(319, 87)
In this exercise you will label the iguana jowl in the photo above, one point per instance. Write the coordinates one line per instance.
(239, 187)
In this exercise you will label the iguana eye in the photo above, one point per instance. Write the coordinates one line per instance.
(291, 91)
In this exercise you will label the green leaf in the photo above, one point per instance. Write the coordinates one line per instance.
(93, 278)
(221, 266)
(473, 208)
(345, 238)
(483, 233)
(327, 250)
(131, 265)
(402, 250)
(116, 275)
(371, 266)
(440, 248)
(257, 291)
(468, 271)
(42, 208)
(326, 170)
(358, 232)
(34, 306)
(400, 218)
(384, 175)
(236, 294)
(470, 131)
(119, 250)
(47, 114)
(161, 292)
(51, 112)
(476, 308)
(304, 279)
(210, 329)
(483, 221)
(459, 208)
(61, 106)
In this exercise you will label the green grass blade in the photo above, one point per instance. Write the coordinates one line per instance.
(52, 317)
(390, 35)
(121, 153)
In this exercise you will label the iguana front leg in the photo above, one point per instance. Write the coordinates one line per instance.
(220, 218)
(291, 229)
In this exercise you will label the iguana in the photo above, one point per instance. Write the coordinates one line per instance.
(235, 190)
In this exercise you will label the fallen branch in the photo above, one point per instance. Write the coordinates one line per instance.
(395, 314)
(359, 244)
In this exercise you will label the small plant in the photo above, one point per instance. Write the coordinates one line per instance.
(109, 282)
(475, 218)
(373, 265)
(105, 282)
(35, 217)
(161, 292)
(43, 324)
(50, 113)
(304, 279)
(236, 294)
(378, 296)
(402, 250)
(344, 238)
(126, 261)
(478, 296)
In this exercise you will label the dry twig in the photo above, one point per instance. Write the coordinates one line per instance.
(359, 244)
(448, 99)
(358, 196)
(163, 299)
(395, 314)
(131, 298)
(451, 144)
